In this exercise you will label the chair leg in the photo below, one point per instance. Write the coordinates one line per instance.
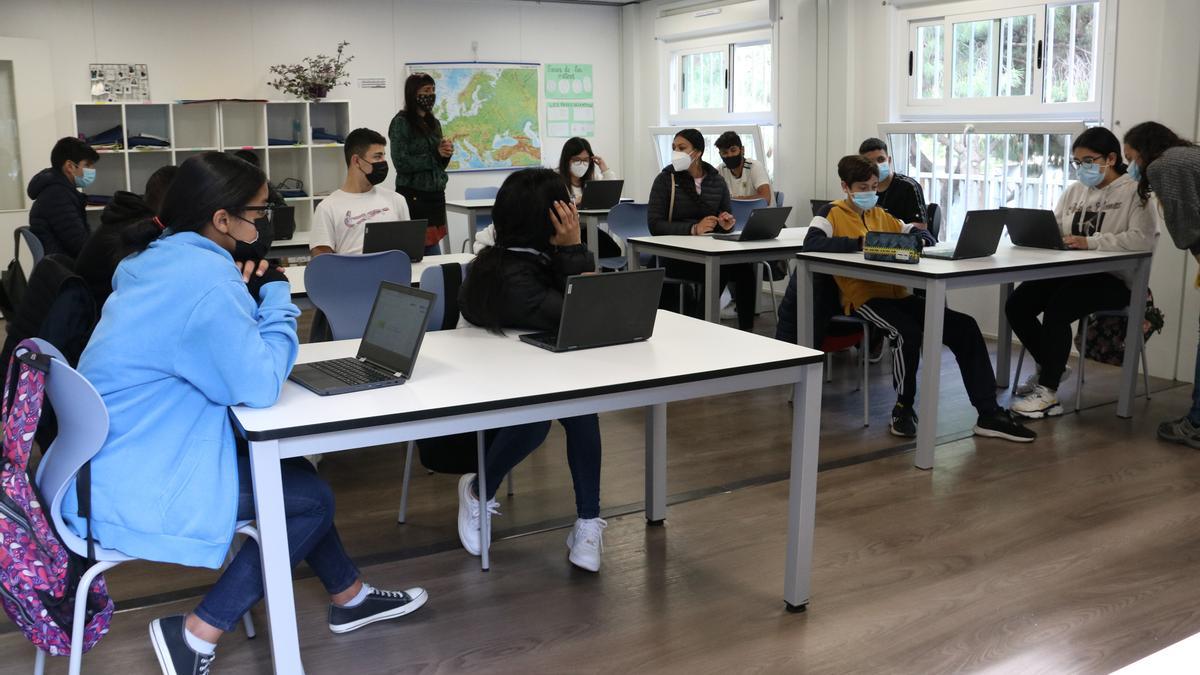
(510, 483)
(866, 381)
(1145, 370)
(1020, 364)
(1083, 329)
(485, 515)
(408, 458)
(85, 583)
(828, 367)
(39, 663)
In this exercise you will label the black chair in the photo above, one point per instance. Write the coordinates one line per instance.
(934, 213)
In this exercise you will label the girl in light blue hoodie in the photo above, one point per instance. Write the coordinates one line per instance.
(184, 336)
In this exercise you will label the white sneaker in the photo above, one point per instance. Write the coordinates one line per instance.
(729, 312)
(586, 541)
(468, 514)
(1026, 387)
(1041, 402)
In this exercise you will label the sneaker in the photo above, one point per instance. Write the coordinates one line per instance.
(586, 541)
(729, 312)
(1039, 403)
(175, 656)
(1001, 424)
(875, 351)
(904, 421)
(1026, 387)
(379, 605)
(1180, 431)
(468, 514)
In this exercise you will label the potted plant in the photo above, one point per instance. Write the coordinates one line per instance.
(312, 78)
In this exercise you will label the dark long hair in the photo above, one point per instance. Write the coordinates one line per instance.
(426, 125)
(522, 217)
(1104, 142)
(572, 147)
(205, 183)
(1151, 140)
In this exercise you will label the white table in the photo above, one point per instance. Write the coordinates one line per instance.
(714, 253)
(291, 248)
(295, 273)
(473, 208)
(469, 380)
(1009, 265)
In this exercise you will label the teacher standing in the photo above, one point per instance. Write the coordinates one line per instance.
(421, 156)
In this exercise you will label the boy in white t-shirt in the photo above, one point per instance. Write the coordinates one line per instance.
(746, 178)
(341, 217)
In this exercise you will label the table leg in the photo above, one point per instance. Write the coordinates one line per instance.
(592, 223)
(472, 219)
(276, 562)
(1133, 337)
(931, 368)
(656, 464)
(712, 290)
(632, 257)
(802, 488)
(1003, 340)
(804, 304)
(485, 517)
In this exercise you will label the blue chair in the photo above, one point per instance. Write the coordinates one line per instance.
(481, 221)
(626, 220)
(343, 287)
(778, 198)
(26, 236)
(82, 429)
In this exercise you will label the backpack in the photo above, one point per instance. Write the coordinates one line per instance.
(1106, 334)
(38, 574)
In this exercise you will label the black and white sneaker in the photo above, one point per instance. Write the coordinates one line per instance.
(904, 421)
(1002, 424)
(175, 657)
(379, 605)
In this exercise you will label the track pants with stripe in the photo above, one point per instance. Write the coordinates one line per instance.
(903, 319)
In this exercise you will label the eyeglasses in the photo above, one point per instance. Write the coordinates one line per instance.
(267, 212)
(1076, 163)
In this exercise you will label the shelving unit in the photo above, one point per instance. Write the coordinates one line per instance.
(280, 132)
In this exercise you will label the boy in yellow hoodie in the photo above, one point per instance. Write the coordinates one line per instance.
(902, 315)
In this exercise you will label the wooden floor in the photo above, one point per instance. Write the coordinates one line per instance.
(1075, 554)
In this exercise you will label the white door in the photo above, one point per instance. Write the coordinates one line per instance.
(27, 129)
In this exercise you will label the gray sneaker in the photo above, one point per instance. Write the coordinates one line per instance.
(1180, 431)
(175, 657)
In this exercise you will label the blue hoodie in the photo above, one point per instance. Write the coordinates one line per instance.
(179, 342)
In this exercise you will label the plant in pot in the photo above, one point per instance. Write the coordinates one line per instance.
(312, 78)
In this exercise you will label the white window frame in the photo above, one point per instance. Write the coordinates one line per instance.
(672, 71)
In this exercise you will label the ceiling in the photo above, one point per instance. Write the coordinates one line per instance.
(616, 3)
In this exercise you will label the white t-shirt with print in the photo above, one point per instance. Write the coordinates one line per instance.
(340, 218)
(753, 176)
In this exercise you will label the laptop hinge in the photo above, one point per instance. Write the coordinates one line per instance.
(380, 366)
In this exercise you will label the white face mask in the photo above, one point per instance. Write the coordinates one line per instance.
(580, 169)
(680, 161)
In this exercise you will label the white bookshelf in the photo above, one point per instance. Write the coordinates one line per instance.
(281, 133)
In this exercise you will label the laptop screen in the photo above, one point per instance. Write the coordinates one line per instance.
(396, 327)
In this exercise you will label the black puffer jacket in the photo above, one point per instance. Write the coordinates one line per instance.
(690, 208)
(527, 287)
(105, 248)
(57, 216)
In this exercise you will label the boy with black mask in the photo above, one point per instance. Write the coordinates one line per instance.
(340, 219)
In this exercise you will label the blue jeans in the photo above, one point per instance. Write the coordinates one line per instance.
(513, 444)
(308, 507)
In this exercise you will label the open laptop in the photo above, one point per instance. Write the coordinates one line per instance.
(396, 235)
(764, 223)
(1036, 228)
(601, 195)
(604, 309)
(388, 349)
(979, 237)
(283, 222)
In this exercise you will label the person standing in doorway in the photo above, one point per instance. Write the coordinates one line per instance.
(421, 155)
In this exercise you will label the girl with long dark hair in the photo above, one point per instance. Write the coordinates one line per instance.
(421, 155)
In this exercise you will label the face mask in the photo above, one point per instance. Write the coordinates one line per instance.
(257, 249)
(865, 200)
(580, 169)
(426, 101)
(732, 162)
(1135, 171)
(1090, 174)
(378, 173)
(88, 177)
(885, 170)
(680, 161)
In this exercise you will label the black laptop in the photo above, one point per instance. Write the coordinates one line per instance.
(396, 235)
(388, 349)
(979, 237)
(601, 195)
(283, 222)
(764, 223)
(1036, 228)
(604, 309)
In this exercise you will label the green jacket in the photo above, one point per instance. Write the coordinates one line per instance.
(418, 164)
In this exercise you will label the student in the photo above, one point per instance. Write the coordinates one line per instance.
(183, 337)
(902, 315)
(1101, 211)
(273, 196)
(899, 195)
(746, 178)
(519, 284)
(421, 156)
(1160, 160)
(340, 219)
(57, 217)
(689, 197)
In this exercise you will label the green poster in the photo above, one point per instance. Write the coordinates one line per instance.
(568, 80)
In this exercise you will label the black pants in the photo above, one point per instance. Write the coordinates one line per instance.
(430, 206)
(741, 276)
(1060, 302)
(904, 321)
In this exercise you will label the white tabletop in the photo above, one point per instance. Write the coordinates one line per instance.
(471, 203)
(298, 240)
(295, 273)
(789, 238)
(470, 370)
(1007, 257)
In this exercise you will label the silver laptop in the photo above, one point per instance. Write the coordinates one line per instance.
(979, 237)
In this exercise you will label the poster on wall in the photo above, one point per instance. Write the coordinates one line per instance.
(119, 82)
(568, 80)
(489, 111)
(565, 119)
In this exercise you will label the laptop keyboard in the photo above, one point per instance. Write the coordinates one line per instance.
(353, 371)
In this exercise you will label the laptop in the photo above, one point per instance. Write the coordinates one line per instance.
(396, 235)
(604, 309)
(283, 222)
(1036, 228)
(388, 349)
(979, 238)
(600, 195)
(765, 223)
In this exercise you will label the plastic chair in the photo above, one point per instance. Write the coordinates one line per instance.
(34, 245)
(626, 220)
(836, 344)
(82, 429)
(778, 198)
(343, 287)
(934, 212)
(481, 221)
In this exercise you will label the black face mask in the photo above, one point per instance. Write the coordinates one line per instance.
(378, 173)
(257, 250)
(426, 101)
(732, 162)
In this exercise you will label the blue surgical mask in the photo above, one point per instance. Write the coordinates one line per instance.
(885, 170)
(865, 200)
(1090, 174)
(88, 177)
(1135, 172)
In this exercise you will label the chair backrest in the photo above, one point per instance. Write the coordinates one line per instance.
(934, 213)
(489, 192)
(741, 209)
(628, 219)
(444, 282)
(28, 245)
(778, 198)
(818, 205)
(343, 287)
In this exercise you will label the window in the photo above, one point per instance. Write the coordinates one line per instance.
(1072, 49)
(702, 86)
(723, 79)
(752, 77)
(12, 185)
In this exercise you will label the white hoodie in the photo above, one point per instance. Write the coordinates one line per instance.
(1113, 218)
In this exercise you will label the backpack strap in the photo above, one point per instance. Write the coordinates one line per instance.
(451, 283)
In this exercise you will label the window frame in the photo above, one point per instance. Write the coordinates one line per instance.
(671, 54)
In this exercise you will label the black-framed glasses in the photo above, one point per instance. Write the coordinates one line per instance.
(267, 212)
(1076, 163)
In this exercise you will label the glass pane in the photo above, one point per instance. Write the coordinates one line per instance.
(973, 45)
(930, 61)
(1072, 53)
(752, 78)
(703, 81)
(11, 183)
(1016, 53)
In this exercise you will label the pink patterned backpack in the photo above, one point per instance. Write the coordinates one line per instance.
(38, 575)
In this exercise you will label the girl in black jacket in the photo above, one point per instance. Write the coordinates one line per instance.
(689, 197)
(518, 283)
